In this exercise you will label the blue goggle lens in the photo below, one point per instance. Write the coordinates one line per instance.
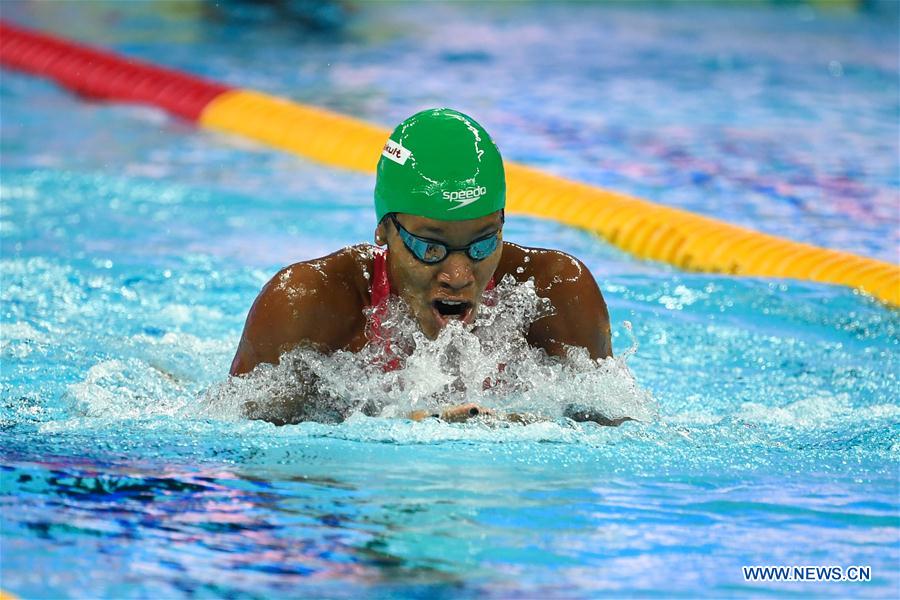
(431, 252)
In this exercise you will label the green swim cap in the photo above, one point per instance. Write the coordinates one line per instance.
(440, 164)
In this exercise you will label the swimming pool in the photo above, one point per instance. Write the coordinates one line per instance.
(132, 246)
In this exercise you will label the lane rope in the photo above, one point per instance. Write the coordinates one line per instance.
(650, 231)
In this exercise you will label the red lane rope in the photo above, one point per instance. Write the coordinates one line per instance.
(103, 75)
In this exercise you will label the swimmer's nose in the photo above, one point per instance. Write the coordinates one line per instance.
(456, 271)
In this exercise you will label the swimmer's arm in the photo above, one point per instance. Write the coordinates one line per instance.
(581, 318)
(296, 307)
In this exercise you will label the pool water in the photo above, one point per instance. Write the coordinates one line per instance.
(133, 245)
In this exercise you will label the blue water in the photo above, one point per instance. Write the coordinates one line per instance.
(133, 244)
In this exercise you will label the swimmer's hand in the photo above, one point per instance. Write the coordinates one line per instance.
(583, 414)
(464, 412)
(454, 414)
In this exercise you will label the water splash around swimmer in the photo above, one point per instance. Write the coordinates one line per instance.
(489, 363)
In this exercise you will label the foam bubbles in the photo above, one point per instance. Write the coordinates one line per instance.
(123, 389)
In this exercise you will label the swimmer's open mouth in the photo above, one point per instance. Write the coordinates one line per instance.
(452, 309)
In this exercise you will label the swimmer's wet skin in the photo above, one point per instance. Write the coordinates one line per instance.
(440, 193)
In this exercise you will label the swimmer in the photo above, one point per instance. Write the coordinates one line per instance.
(440, 194)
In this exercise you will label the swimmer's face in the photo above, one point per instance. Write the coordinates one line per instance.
(450, 289)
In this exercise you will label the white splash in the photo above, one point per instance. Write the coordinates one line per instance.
(489, 363)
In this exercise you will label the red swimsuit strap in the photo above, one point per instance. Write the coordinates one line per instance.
(381, 287)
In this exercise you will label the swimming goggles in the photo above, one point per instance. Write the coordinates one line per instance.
(432, 252)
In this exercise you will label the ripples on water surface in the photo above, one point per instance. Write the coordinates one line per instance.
(132, 246)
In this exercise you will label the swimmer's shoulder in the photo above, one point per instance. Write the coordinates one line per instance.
(549, 268)
(580, 317)
(317, 302)
(345, 273)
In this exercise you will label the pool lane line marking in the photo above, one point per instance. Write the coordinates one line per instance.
(647, 230)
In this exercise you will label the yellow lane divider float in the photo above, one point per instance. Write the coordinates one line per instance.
(647, 230)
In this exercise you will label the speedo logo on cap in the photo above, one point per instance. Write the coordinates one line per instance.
(465, 197)
(395, 152)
